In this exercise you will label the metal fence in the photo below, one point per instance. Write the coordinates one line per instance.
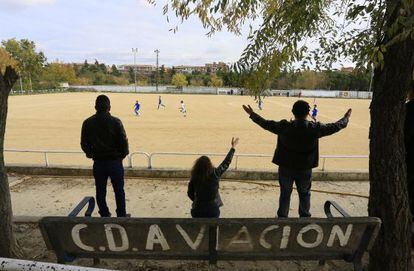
(151, 156)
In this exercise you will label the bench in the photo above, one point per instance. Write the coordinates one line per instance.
(332, 238)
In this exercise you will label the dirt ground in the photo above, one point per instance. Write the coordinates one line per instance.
(53, 122)
(41, 196)
(57, 196)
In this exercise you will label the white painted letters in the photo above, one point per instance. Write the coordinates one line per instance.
(342, 237)
(194, 245)
(262, 239)
(237, 241)
(285, 237)
(155, 236)
(304, 230)
(76, 237)
(110, 237)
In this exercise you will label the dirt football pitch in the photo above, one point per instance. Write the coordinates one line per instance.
(53, 122)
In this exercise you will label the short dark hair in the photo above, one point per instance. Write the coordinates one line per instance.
(300, 109)
(102, 103)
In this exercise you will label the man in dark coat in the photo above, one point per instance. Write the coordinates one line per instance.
(104, 140)
(297, 152)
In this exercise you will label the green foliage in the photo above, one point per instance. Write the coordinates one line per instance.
(260, 77)
(311, 80)
(179, 80)
(54, 74)
(313, 33)
(198, 79)
(6, 60)
(30, 62)
(115, 71)
(24, 52)
(215, 81)
(98, 74)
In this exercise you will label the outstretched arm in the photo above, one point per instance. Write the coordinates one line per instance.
(227, 161)
(331, 128)
(269, 125)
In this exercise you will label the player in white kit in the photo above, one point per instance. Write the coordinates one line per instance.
(183, 109)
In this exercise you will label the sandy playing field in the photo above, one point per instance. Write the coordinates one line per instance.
(53, 122)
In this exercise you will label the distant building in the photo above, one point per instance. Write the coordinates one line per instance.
(140, 68)
(185, 69)
(189, 69)
(207, 68)
(215, 67)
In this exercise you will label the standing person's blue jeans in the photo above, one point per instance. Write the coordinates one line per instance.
(114, 170)
(302, 179)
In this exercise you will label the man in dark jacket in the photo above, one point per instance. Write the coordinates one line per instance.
(104, 140)
(409, 146)
(297, 152)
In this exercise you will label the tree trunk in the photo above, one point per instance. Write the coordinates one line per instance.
(388, 186)
(7, 242)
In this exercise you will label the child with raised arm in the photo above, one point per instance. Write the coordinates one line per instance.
(203, 188)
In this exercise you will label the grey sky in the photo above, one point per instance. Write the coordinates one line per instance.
(72, 31)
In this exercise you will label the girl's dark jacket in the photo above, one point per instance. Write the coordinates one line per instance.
(205, 194)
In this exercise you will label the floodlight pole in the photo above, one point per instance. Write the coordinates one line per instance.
(156, 71)
(135, 51)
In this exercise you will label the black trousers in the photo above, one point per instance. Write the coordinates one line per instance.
(213, 212)
(102, 170)
(302, 179)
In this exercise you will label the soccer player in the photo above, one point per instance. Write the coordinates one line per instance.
(260, 104)
(182, 108)
(314, 112)
(137, 106)
(160, 103)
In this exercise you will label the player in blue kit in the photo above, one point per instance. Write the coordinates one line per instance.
(314, 112)
(137, 106)
(260, 104)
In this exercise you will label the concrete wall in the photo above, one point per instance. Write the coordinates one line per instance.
(184, 174)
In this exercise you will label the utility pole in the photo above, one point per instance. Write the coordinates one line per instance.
(135, 51)
(156, 71)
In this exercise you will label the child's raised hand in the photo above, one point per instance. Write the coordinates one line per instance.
(234, 142)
